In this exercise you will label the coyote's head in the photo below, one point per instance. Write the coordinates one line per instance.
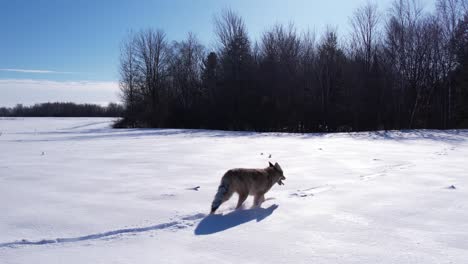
(278, 173)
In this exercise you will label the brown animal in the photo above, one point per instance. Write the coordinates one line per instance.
(247, 182)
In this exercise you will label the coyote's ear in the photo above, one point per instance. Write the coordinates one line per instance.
(278, 167)
(271, 165)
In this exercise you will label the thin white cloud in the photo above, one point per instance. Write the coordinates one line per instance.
(28, 91)
(35, 71)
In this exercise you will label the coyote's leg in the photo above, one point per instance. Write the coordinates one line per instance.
(242, 198)
(259, 199)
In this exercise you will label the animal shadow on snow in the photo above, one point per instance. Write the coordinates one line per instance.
(216, 222)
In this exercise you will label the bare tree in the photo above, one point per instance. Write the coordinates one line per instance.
(364, 34)
(308, 62)
(364, 44)
(406, 47)
(186, 67)
(129, 79)
(449, 14)
(230, 29)
(460, 75)
(236, 67)
(281, 50)
(152, 55)
(330, 62)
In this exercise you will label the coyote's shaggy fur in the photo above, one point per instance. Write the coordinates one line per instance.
(247, 182)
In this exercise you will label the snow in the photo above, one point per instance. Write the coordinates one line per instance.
(73, 190)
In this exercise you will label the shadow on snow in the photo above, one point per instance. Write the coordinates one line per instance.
(216, 223)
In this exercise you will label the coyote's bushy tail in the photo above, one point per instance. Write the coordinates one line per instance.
(218, 199)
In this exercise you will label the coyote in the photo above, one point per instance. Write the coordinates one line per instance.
(247, 182)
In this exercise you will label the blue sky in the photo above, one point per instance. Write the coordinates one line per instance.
(64, 43)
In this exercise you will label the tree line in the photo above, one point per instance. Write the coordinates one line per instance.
(404, 69)
(59, 109)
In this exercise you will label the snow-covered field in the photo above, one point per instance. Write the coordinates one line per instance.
(72, 190)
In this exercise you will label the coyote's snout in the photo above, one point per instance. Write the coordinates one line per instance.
(247, 182)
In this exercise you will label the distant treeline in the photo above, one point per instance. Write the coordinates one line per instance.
(63, 110)
(402, 69)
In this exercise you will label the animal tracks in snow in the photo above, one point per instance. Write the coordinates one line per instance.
(382, 171)
(179, 223)
(444, 152)
(311, 191)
